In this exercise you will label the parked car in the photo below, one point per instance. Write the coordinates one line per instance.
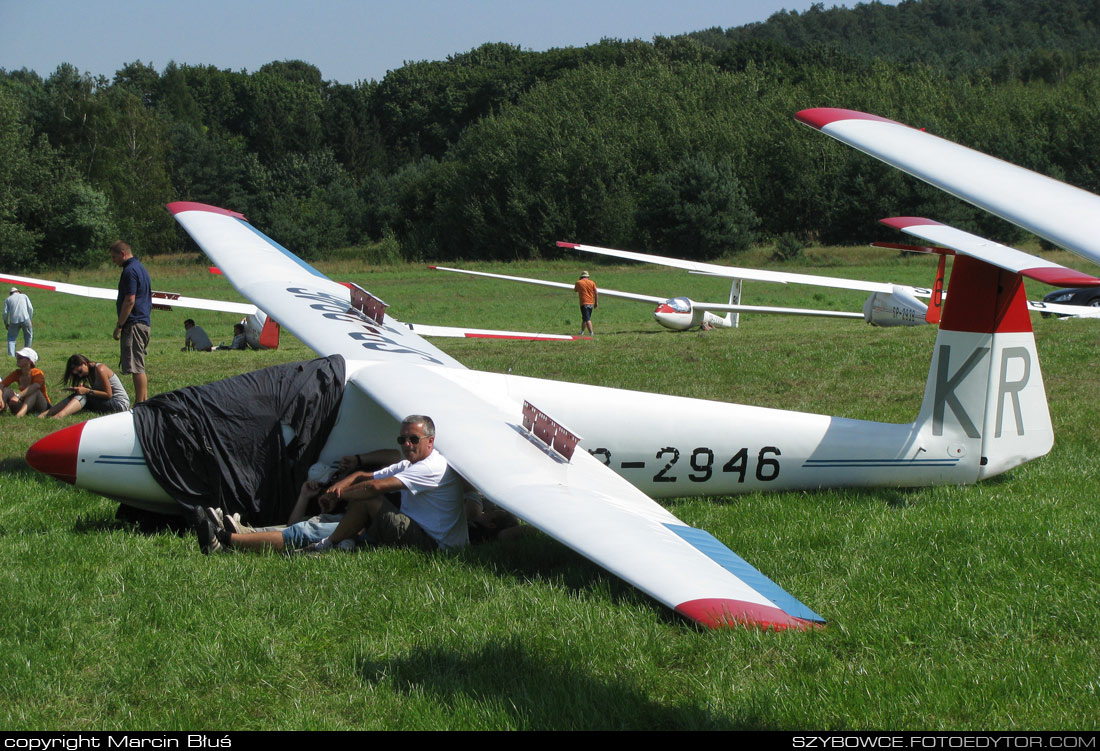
(1089, 296)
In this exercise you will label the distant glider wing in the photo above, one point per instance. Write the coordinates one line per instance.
(1063, 214)
(455, 332)
(735, 272)
(559, 285)
(160, 299)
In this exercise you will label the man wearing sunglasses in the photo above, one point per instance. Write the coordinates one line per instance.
(432, 514)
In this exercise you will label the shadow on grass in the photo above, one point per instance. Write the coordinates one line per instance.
(136, 520)
(537, 558)
(537, 693)
(20, 468)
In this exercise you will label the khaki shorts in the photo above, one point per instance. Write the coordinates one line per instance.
(394, 529)
(134, 341)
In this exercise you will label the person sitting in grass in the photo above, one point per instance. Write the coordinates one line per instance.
(219, 532)
(195, 338)
(92, 385)
(432, 513)
(25, 387)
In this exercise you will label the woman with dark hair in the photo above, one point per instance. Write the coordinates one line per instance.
(91, 385)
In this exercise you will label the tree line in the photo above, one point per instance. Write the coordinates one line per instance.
(683, 145)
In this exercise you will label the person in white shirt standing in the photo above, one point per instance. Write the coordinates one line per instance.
(18, 313)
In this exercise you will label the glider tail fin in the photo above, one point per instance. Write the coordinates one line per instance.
(985, 391)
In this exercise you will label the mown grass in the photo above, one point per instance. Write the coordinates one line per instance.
(969, 608)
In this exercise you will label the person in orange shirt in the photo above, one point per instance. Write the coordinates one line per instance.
(25, 387)
(589, 297)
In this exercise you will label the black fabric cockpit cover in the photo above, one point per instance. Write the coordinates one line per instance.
(222, 444)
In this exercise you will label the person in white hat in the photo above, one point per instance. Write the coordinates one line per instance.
(18, 312)
(25, 387)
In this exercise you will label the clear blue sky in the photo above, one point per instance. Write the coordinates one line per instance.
(349, 40)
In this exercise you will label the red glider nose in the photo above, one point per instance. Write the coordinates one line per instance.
(56, 454)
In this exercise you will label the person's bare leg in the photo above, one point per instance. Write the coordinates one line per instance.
(257, 541)
(358, 515)
(69, 407)
(141, 387)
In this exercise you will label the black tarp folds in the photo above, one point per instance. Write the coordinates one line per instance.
(222, 444)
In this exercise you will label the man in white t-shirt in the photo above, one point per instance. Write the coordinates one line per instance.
(432, 514)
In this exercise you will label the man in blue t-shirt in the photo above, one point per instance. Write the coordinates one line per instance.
(135, 301)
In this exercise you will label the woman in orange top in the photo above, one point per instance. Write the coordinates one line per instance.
(25, 387)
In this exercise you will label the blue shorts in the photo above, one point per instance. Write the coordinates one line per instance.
(305, 533)
(586, 313)
(314, 530)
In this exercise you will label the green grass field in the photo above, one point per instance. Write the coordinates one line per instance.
(949, 608)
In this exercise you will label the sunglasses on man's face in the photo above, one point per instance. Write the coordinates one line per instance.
(412, 440)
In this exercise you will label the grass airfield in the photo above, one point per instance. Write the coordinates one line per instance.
(949, 608)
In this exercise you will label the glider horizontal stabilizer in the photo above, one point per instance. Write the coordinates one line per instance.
(1002, 256)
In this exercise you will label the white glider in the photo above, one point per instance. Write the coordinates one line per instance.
(677, 313)
(984, 412)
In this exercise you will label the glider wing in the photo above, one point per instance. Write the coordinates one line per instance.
(559, 285)
(735, 272)
(569, 495)
(166, 300)
(454, 332)
(1063, 214)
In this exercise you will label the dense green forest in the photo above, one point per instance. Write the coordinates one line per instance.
(684, 145)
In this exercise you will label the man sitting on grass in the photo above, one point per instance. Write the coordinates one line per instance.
(432, 514)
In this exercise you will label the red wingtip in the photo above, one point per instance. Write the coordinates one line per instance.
(819, 117)
(178, 207)
(1061, 277)
(562, 244)
(901, 222)
(214, 270)
(722, 613)
(56, 454)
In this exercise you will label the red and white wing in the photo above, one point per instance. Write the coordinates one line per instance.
(1063, 214)
(577, 500)
(1003, 256)
(166, 300)
(455, 332)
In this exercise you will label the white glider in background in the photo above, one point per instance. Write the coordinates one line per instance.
(984, 411)
(677, 313)
(888, 304)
